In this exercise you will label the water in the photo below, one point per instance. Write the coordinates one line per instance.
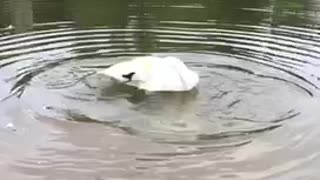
(254, 115)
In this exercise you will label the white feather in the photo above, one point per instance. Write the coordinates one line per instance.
(154, 74)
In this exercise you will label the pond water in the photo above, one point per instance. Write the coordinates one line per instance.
(254, 114)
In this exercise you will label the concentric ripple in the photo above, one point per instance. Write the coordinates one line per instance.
(256, 82)
(244, 88)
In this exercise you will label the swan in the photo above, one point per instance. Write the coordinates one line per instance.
(153, 74)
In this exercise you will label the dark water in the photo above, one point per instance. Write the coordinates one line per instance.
(255, 114)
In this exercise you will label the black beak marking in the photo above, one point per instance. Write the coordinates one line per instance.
(128, 76)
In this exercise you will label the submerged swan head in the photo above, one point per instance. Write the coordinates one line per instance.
(154, 74)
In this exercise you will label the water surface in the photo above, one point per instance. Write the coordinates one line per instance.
(253, 116)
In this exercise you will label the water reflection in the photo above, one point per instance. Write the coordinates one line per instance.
(147, 13)
(256, 102)
(98, 13)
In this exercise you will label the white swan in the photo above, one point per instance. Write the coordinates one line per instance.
(154, 74)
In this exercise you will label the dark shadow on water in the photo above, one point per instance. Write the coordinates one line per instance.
(114, 90)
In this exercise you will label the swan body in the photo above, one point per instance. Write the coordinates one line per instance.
(152, 73)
